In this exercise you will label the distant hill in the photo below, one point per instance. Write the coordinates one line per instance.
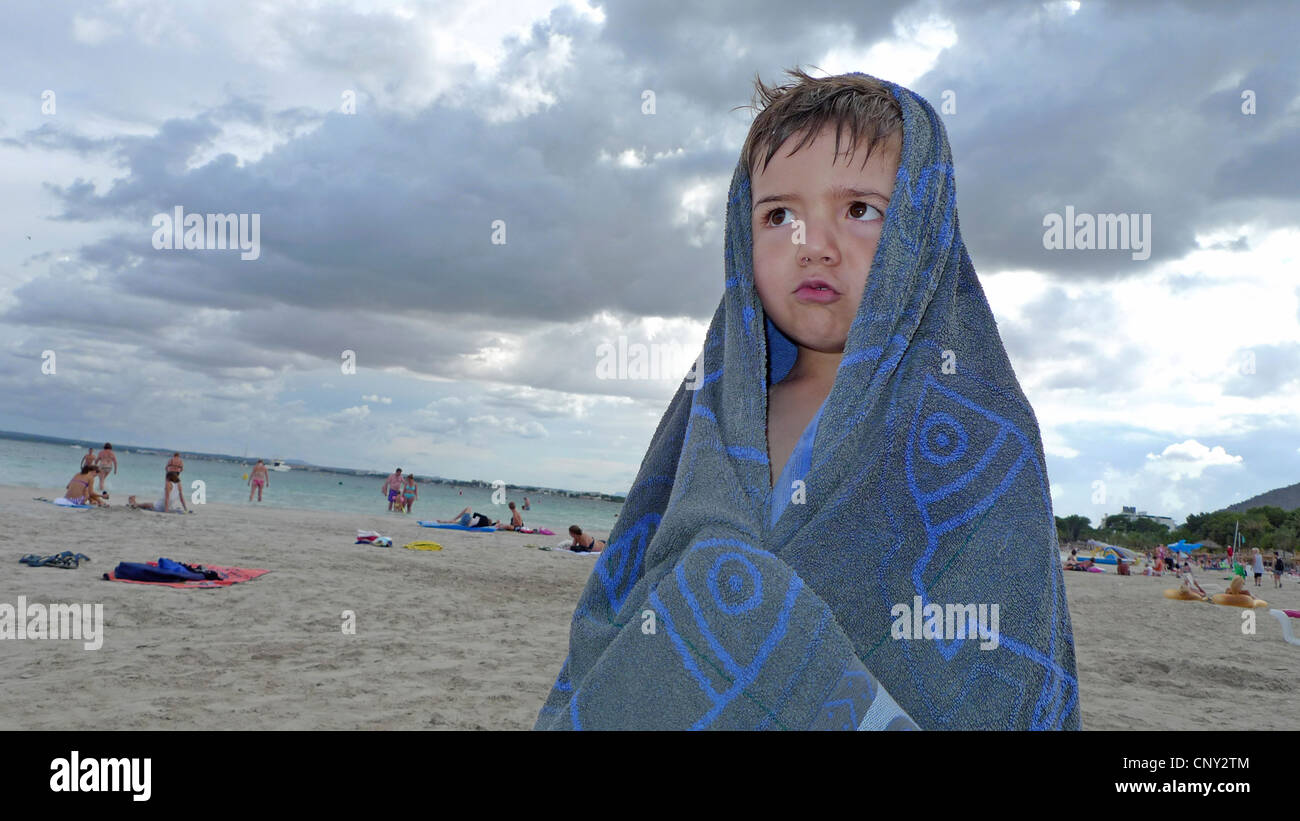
(1287, 498)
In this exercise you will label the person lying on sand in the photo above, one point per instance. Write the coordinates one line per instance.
(80, 490)
(516, 520)
(1190, 586)
(583, 543)
(467, 518)
(172, 498)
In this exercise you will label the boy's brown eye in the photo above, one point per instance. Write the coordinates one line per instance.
(859, 209)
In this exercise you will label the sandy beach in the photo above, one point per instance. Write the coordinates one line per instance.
(472, 636)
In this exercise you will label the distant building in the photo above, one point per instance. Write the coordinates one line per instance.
(1133, 514)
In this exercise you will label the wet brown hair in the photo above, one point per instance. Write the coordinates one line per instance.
(853, 102)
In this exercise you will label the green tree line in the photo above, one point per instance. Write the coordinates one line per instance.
(1269, 528)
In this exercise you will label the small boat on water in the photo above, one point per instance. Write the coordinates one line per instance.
(279, 464)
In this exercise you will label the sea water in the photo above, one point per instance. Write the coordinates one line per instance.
(47, 467)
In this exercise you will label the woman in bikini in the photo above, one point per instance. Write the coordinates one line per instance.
(258, 479)
(410, 492)
(107, 460)
(584, 543)
(80, 490)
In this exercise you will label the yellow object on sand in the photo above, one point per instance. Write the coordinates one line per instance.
(422, 546)
(1234, 600)
(1180, 594)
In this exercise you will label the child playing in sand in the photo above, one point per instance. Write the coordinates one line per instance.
(258, 478)
(856, 438)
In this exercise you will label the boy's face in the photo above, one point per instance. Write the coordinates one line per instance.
(812, 291)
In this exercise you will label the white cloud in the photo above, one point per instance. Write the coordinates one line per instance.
(91, 31)
(1189, 459)
(377, 399)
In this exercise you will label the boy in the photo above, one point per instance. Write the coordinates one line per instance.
(516, 520)
(857, 443)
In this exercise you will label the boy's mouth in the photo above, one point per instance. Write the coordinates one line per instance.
(816, 290)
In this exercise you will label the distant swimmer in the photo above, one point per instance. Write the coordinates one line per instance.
(174, 465)
(258, 479)
(526, 505)
(516, 521)
(88, 461)
(106, 460)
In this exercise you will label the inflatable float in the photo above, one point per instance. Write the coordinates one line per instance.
(1235, 600)
(1285, 616)
(422, 545)
(1179, 594)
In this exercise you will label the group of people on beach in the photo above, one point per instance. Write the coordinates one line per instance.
(402, 491)
(1166, 560)
(81, 488)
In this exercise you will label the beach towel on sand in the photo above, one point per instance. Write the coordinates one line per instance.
(923, 483)
(166, 576)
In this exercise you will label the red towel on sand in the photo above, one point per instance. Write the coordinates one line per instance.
(1295, 614)
(229, 576)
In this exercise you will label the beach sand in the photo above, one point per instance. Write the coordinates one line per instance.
(472, 636)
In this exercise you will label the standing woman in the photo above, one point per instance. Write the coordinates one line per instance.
(106, 460)
(1258, 562)
(172, 501)
(410, 492)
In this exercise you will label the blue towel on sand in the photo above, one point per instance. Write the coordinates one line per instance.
(923, 482)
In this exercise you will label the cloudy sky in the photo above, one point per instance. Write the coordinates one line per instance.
(473, 197)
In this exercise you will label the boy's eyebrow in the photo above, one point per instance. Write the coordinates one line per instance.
(838, 192)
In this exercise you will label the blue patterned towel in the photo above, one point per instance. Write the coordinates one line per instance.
(926, 500)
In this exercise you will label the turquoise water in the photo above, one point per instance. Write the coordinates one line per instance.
(46, 467)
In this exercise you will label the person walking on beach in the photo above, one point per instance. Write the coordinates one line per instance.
(1278, 567)
(174, 465)
(106, 460)
(526, 505)
(258, 479)
(392, 488)
(410, 492)
(1258, 562)
(88, 461)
